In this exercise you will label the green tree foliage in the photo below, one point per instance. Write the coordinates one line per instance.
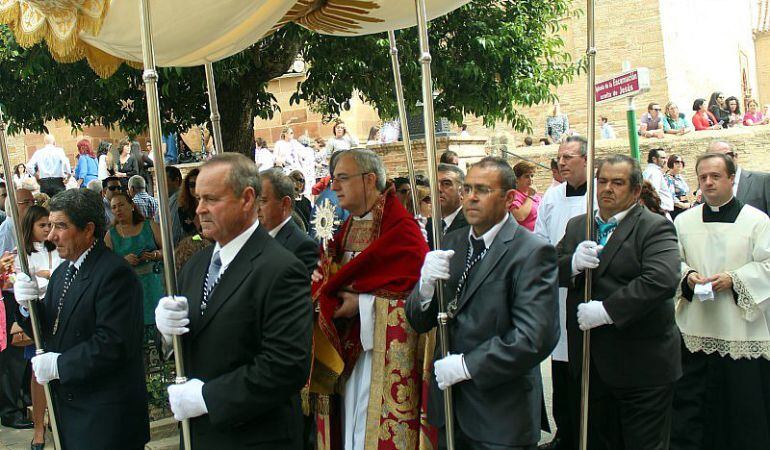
(489, 58)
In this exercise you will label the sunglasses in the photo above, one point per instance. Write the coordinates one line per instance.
(115, 188)
(656, 109)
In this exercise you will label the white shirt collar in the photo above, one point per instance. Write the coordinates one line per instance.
(716, 207)
(490, 235)
(82, 257)
(274, 232)
(451, 218)
(617, 217)
(229, 251)
(654, 166)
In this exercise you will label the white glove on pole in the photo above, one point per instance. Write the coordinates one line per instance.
(450, 371)
(46, 367)
(26, 289)
(171, 317)
(586, 256)
(435, 267)
(187, 400)
(592, 314)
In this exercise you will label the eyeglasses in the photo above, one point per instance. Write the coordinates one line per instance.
(342, 178)
(480, 190)
(115, 188)
(566, 157)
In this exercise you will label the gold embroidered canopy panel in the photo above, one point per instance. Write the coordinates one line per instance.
(192, 32)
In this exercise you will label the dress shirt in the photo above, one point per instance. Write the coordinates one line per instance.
(274, 232)
(50, 162)
(229, 251)
(7, 236)
(147, 205)
(616, 218)
(451, 218)
(490, 235)
(654, 174)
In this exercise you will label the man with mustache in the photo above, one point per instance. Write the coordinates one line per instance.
(635, 345)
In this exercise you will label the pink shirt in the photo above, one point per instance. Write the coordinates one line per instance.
(519, 199)
(757, 117)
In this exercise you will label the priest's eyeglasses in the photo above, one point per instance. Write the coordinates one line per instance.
(343, 178)
(481, 190)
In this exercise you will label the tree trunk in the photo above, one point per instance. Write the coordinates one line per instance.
(237, 108)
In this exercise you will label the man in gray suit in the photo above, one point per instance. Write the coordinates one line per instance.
(750, 188)
(502, 288)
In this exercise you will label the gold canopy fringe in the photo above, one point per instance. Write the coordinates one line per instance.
(67, 49)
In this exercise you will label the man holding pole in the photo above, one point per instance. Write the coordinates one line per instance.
(363, 345)
(245, 318)
(501, 283)
(635, 345)
(91, 323)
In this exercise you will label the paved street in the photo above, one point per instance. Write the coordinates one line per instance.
(20, 439)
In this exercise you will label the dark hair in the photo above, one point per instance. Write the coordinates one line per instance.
(106, 181)
(33, 214)
(16, 168)
(187, 202)
(713, 103)
(260, 143)
(283, 186)
(136, 215)
(81, 206)
(650, 199)
(445, 157)
(545, 140)
(729, 163)
(103, 148)
(635, 178)
(654, 153)
(444, 167)
(698, 103)
(651, 105)
(737, 104)
(421, 180)
(523, 167)
(507, 177)
(603, 119)
(528, 141)
(400, 181)
(173, 173)
(581, 140)
(672, 159)
(373, 132)
(554, 164)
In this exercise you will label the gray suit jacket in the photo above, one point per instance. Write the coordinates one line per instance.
(300, 244)
(754, 189)
(507, 322)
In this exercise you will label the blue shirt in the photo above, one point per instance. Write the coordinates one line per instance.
(87, 169)
(172, 153)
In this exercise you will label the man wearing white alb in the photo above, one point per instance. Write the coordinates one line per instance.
(52, 166)
(656, 160)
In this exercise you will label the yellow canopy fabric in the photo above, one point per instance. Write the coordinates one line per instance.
(192, 32)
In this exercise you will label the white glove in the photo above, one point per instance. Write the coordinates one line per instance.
(46, 367)
(187, 400)
(586, 256)
(26, 289)
(435, 267)
(450, 370)
(171, 317)
(592, 315)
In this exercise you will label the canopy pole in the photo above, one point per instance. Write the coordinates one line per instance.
(216, 125)
(430, 153)
(403, 118)
(590, 153)
(24, 263)
(150, 77)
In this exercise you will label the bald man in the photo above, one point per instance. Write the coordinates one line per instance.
(750, 188)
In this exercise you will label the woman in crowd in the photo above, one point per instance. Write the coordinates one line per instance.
(144, 163)
(88, 167)
(20, 174)
(188, 203)
(43, 259)
(287, 151)
(263, 156)
(703, 119)
(301, 203)
(650, 199)
(526, 200)
(104, 160)
(556, 124)
(137, 240)
(753, 115)
(374, 136)
(341, 139)
(734, 109)
(718, 108)
(126, 166)
(677, 185)
(674, 121)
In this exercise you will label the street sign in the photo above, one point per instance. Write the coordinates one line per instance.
(627, 84)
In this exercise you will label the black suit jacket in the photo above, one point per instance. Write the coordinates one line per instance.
(507, 322)
(459, 222)
(636, 279)
(754, 190)
(252, 347)
(299, 244)
(100, 398)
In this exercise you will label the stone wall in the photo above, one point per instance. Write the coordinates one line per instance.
(762, 43)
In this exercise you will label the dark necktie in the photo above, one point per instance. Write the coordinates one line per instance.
(69, 276)
(212, 278)
(444, 226)
(475, 254)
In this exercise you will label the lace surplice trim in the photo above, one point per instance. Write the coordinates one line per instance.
(736, 349)
(749, 308)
